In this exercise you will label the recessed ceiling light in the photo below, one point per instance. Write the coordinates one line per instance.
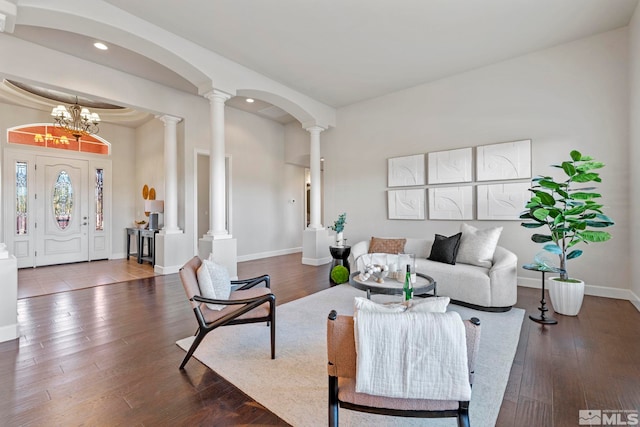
(250, 100)
(101, 46)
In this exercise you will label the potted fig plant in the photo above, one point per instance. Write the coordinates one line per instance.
(338, 227)
(571, 215)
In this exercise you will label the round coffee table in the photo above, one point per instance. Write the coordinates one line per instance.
(423, 285)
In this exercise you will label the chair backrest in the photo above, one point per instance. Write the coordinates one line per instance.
(341, 348)
(189, 277)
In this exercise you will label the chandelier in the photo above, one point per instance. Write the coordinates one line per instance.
(76, 120)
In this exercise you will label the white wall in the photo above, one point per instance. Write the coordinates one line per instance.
(573, 96)
(264, 220)
(634, 152)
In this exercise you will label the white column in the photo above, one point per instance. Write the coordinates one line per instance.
(316, 190)
(217, 186)
(170, 174)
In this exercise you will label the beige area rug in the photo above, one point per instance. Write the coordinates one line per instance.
(294, 385)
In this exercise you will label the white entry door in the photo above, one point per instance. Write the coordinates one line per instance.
(62, 211)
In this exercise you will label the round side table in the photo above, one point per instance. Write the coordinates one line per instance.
(340, 255)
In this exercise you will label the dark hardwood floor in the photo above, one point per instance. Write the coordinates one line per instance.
(107, 356)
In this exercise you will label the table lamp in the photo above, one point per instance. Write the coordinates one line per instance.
(154, 207)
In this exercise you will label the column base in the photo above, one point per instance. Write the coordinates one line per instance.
(224, 250)
(315, 247)
(9, 300)
(170, 252)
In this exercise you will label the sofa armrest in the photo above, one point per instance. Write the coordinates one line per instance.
(504, 278)
(357, 250)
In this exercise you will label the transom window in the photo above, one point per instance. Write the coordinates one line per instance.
(50, 136)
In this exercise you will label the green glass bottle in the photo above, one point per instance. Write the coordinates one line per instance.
(407, 290)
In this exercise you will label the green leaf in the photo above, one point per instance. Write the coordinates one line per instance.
(587, 166)
(595, 236)
(532, 224)
(575, 211)
(541, 238)
(586, 177)
(568, 168)
(574, 254)
(585, 196)
(545, 198)
(541, 214)
(599, 224)
(575, 155)
(546, 183)
(553, 248)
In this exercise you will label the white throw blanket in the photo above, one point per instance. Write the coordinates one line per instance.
(412, 355)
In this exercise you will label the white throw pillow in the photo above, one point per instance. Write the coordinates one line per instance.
(477, 246)
(214, 282)
(432, 305)
(364, 304)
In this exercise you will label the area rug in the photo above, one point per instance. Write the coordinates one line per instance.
(294, 385)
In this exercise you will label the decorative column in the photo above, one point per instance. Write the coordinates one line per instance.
(217, 187)
(170, 174)
(218, 243)
(315, 202)
(315, 240)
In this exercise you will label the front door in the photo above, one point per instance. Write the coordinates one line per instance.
(62, 210)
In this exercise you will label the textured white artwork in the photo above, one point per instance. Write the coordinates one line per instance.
(450, 166)
(451, 202)
(406, 171)
(508, 160)
(406, 204)
(502, 201)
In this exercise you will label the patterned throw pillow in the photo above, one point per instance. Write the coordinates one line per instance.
(214, 282)
(386, 246)
(477, 246)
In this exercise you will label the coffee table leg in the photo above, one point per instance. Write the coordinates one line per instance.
(368, 293)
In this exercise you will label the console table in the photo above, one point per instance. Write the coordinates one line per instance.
(141, 237)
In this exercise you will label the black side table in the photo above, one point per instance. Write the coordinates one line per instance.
(340, 256)
(543, 304)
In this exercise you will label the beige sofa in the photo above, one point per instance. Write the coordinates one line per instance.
(489, 289)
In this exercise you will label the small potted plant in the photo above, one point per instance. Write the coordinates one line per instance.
(338, 227)
(571, 215)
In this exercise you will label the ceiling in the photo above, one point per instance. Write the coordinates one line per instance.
(342, 52)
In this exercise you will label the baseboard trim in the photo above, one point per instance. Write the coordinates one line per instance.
(316, 261)
(593, 290)
(159, 269)
(9, 332)
(269, 254)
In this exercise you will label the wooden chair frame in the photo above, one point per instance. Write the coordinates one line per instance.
(245, 305)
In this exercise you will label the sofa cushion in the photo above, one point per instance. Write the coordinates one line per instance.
(214, 282)
(432, 305)
(477, 246)
(388, 246)
(364, 304)
(445, 249)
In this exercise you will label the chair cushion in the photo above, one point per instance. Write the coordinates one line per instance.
(214, 282)
(364, 304)
(260, 311)
(432, 305)
(387, 246)
(347, 393)
(445, 249)
(477, 246)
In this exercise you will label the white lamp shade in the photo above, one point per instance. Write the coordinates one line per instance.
(154, 205)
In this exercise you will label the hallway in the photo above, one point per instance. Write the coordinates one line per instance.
(68, 277)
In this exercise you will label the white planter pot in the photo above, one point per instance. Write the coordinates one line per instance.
(339, 239)
(566, 297)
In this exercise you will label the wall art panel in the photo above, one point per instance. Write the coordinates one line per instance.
(508, 160)
(406, 171)
(450, 166)
(502, 201)
(451, 202)
(406, 204)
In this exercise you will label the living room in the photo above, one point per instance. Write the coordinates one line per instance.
(579, 94)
